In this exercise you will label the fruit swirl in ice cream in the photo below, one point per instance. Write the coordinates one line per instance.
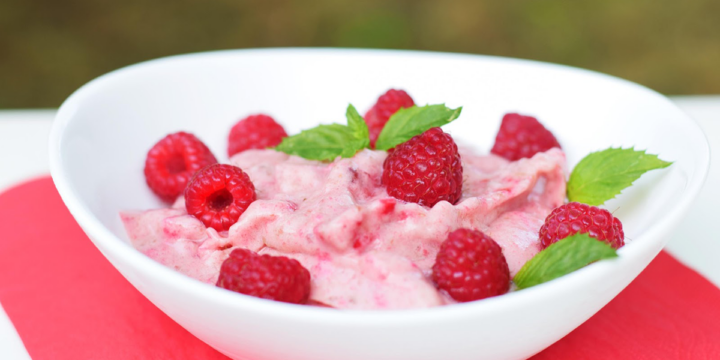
(364, 249)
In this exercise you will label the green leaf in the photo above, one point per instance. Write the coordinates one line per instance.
(326, 142)
(561, 258)
(357, 125)
(602, 175)
(412, 121)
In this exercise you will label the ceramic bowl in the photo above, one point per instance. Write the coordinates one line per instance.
(103, 131)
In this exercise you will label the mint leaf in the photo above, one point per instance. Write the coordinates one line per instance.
(602, 175)
(412, 121)
(326, 142)
(357, 125)
(561, 258)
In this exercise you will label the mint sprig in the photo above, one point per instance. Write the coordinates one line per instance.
(602, 175)
(412, 121)
(327, 142)
(561, 258)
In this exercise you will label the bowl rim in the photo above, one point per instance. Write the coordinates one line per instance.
(105, 239)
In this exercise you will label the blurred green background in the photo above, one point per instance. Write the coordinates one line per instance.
(48, 48)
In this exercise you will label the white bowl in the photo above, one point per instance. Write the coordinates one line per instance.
(103, 131)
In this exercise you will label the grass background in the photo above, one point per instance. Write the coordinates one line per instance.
(48, 48)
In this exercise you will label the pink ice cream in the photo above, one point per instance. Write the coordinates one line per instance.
(363, 248)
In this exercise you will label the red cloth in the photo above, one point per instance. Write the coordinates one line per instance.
(67, 302)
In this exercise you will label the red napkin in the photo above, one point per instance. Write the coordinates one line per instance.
(67, 302)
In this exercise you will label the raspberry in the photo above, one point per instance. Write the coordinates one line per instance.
(269, 277)
(255, 132)
(573, 218)
(386, 105)
(471, 266)
(218, 195)
(172, 161)
(425, 169)
(522, 137)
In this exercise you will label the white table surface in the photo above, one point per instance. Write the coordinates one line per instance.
(694, 243)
